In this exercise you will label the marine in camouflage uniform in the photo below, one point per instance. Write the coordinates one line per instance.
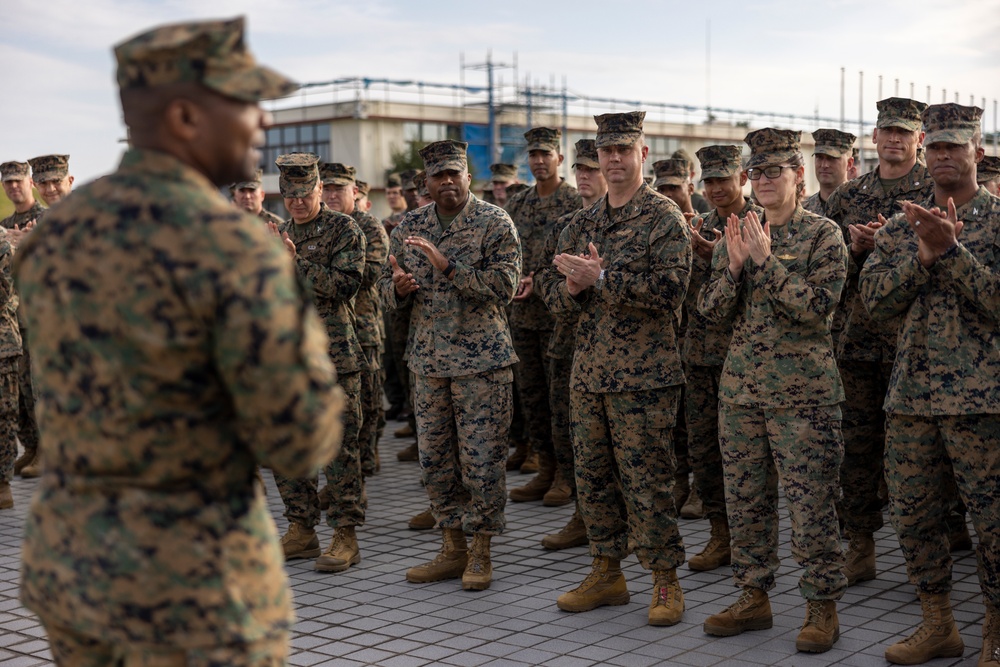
(329, 253)
(249, 195)
(699, 203)
(339, 192)
(456, 263)
(779, 414)
(865, 349)
(536, 212)
(833, 158)
(27, 209)
(50, 175)
(704, 350)
(562, 344)
(988, 174)
(626, 379)
(10, 350)
(943, 403)
(673, 179)
(175, 351)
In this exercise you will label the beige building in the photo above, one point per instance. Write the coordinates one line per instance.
(366, 133)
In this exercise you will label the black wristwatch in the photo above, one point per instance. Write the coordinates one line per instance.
(449, 269)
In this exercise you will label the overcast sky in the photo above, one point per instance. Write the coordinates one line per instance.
(780, 55)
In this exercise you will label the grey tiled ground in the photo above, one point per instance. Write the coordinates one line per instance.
(371, 616)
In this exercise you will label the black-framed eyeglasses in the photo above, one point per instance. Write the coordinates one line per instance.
(773, 171)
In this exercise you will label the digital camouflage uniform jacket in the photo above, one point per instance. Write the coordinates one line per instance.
(457, 327)
(36, 213)
(781, 353)
(10, 333)
(948, 362)
(174, 350)
(626, 338)
(706, 343)
(367, 305)
(815, 204)
(535, 217)
(562, 342)
(856, 336)
(330, 255)
(267, 216)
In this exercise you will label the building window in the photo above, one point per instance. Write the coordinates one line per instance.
(305, 138)
(425, 133)
(661, 148)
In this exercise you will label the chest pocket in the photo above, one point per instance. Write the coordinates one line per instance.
(628, 250)
(464, 246)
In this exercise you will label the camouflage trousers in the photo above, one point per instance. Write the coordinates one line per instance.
(392, 385)
(373, 416)
(920, 453)
(562, 442)
(682, 459)
(801, 447)
(865, 387)
(463, 428)
(72, 649)
(27, 425)
(625, 474)
(344, 483)
(9, 391)
(533, 385)
(701, 411)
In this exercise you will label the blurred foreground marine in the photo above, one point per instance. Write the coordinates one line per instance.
(175, 351)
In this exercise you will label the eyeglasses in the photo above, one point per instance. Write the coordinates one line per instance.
(772, 172)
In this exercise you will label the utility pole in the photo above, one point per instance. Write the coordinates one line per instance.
(489, 66)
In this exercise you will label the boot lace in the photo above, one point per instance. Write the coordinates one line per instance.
(745, 600)
(815, 612)
(666, 589)
(595, 576)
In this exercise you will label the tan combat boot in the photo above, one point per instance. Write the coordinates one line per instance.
(573, 534)
(937, 636)
(404, 431)
(408, 454)
(860, 558)
(539, 485)
(990, 655)
(342, 553)
(300, 542)
(422, 521)
(530, 465)
(560, 493)
(693, 508)
(821, 628)
(24, 459)
(479, 571)
(682, 489)
(520, 455)
(6, 497)
(448, 564)
(717, 552)
(605, 585)
(752, 611)
(33, 468)
(667, 605)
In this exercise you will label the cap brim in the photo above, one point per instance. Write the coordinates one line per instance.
(909, 125)
(718, 172)
(668, 180)
(832, 151)
(542, 147)
(616, 139)
(338, 181)
(587, 162)
(247, 185)
(252, 84)
(950, 136)
(43, 176)
(772, 157)
(445, 165)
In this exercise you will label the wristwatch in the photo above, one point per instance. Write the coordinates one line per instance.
(599, 283)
